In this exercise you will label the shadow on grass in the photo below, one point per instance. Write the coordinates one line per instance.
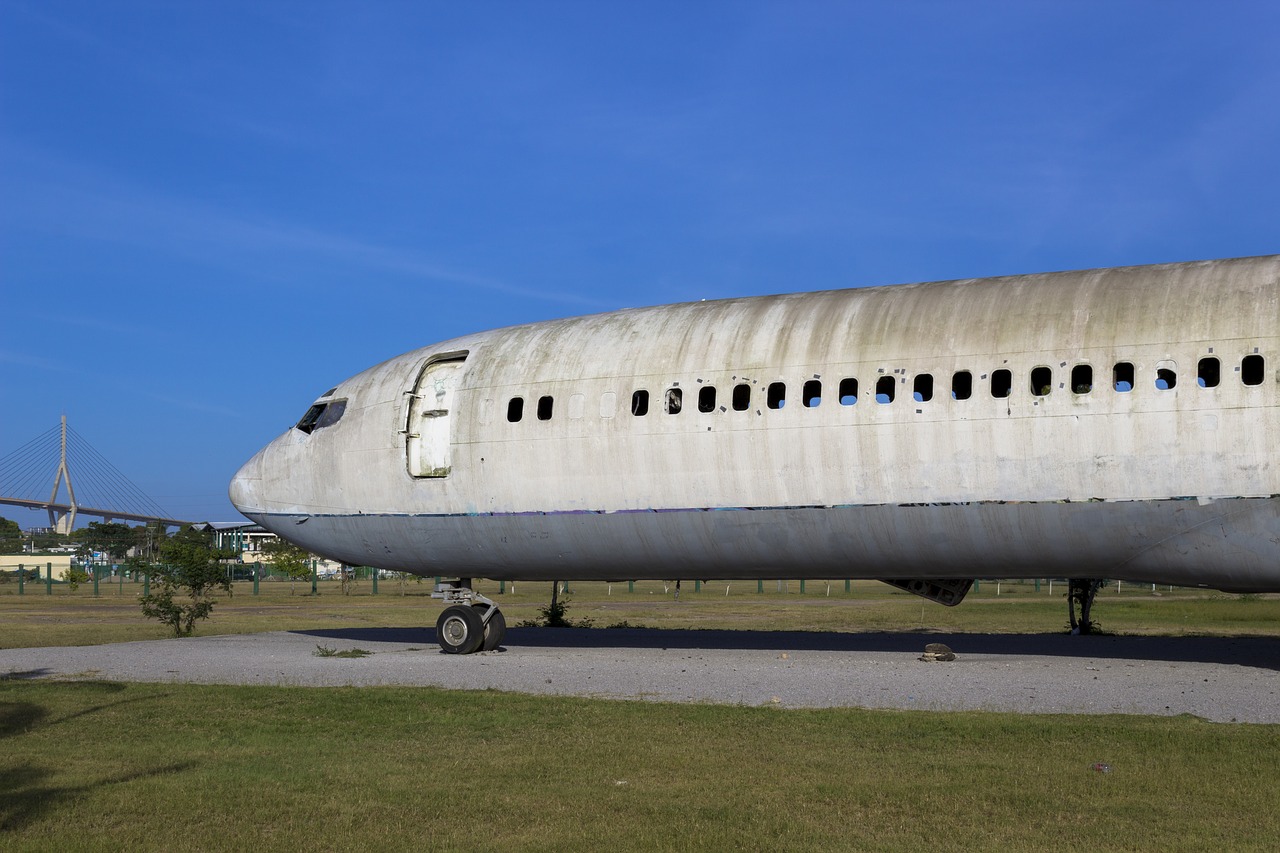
(27, 792)
(1258, 652)
(19, 717)
(26, 675)
(27, 796)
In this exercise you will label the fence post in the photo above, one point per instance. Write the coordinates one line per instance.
(846, 584)
(257, 570)
(1037, 584)
(313, 577)
(697, 586)
(48, 578)
(374, 571)
(760, 585)
(146, 582)
(631, 586)
(95, 583)
(802, 586)
(22, 579)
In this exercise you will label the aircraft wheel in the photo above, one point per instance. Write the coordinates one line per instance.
(459, 630)
(494, 630)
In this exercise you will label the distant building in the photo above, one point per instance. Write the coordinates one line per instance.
(241, 537)
(248, 540)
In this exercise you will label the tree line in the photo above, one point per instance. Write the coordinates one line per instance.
(186, 569)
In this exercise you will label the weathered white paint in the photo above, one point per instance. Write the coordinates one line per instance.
(1111, 484)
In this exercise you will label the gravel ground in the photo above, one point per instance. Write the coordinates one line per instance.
(1220, 679)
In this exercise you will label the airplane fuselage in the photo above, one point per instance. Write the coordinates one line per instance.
(1117, 423)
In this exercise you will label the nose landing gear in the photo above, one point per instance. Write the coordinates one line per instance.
(471, 622)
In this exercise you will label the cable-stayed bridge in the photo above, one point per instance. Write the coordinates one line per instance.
(60, 472)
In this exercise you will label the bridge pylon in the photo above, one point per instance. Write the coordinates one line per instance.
(63, 520)
(100, 489)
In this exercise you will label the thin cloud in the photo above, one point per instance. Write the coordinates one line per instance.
(69, 198)
(194, 405)
(22, 359)
(90, 323)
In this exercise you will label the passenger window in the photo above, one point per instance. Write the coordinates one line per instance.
(707, 398)
(1166, 376)
(922, 389)
(776, 397)
(1252, 369)
(608, 404)
(812, 393)
(544, 408)
(640, 403)
(515, 409)
(848, 392)
(1208, 372)
(1001, 383)
(1041, 381)
(961, 385)
(741, 397)
(577, 403)
(1082, 378)
(675, 401)
(1122, 376)
(885, 389)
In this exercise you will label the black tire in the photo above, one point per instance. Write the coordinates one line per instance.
(459, 630)
(495, 630)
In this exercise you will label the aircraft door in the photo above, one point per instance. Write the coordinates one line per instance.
(428, 429)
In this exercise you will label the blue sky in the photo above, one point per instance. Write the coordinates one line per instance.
(212, 212)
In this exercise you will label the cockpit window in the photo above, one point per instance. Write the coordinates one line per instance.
(331, 413)
(322, 415)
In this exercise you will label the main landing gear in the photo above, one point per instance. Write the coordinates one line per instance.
(471, 622)
(1080, 593)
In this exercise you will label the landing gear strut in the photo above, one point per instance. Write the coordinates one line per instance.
(1080, 592)
(471, 622)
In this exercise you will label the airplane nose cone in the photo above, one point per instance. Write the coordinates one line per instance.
(245, 485)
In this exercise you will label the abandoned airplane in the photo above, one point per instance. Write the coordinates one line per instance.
(1112, 423)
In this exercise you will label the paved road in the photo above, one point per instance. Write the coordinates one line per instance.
(1218, 679)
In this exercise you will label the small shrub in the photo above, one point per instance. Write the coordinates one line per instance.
(326, 652)
(555, 615)
(76, 576)
(191, 570)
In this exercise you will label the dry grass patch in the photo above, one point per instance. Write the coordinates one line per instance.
(79, 618)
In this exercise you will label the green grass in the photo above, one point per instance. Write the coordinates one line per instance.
(88, 765)
(91, 765)
(79, 618)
